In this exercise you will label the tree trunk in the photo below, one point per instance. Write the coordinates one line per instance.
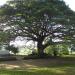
(40, 49)
(55, 53)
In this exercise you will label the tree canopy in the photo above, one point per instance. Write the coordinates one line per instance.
(45, 21)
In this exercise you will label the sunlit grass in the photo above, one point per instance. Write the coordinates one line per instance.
(56, 70)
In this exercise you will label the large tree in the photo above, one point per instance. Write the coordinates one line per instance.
(43, 21)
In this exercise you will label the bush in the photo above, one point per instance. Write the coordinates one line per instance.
(12, 48)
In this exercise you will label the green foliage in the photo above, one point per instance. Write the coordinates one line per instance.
(12, 48)
(3, 37)
(52, 50)
(48, 50)
(55, 50)
(39, 20)
(60, 49)
(64, 49)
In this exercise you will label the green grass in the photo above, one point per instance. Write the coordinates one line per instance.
(41, 71)
(63, 66)
(53, 70)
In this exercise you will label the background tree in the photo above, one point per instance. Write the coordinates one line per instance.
(43, 21)
(12, 49)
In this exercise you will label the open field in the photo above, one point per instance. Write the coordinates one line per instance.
(52, 66)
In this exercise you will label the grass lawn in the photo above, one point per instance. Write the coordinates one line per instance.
(64, 66)
(41, 71)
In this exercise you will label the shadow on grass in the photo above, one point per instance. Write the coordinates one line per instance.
(52, 62)
(40, 71)
(45, 62)
(50, 66)
(47, 66)
(31, 72)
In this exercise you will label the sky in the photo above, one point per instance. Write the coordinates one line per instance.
(71, 3)
(3, 2)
